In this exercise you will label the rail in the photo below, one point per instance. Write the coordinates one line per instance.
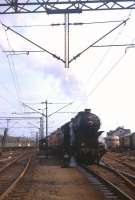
(117, 190)
(18, 170)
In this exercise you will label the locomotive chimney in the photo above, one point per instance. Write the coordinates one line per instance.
(88, 110)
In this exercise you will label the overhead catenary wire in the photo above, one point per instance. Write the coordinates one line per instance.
(101, 61)
(13, 70)
(2, 85)
(102, 79)
(105, 55)
(45, 50)
(62, 24)
(75, 57)
(9, 63)
(7, 101)
(106, 75)
(13, 73)
(79, 54)
(16, 82)
(27, 52)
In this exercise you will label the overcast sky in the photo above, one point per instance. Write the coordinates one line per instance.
(101, 78)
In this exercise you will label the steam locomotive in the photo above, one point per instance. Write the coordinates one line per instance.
(77, 138)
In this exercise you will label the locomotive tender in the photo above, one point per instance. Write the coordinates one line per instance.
(78, 138)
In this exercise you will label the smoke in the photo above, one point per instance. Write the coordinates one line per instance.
(68, 83)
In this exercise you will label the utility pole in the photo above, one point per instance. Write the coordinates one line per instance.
(41, 127)
(41, 119)
(37, 133)
(47, 116)
(46, 108)
(66, 17)
(37, 137)
(5, 136)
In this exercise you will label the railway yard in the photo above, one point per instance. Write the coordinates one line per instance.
(68, 164)
(53, 145)
(28, 174)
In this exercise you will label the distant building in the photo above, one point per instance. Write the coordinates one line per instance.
(120, 131)
(12, 141)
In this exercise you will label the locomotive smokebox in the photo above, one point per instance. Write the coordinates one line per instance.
(86, 124)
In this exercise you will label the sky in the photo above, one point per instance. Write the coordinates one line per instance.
(101, 79)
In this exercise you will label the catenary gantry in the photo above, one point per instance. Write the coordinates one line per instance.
(62, 6)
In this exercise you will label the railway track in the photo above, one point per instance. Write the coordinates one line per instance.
(10, 156)
(12, 174)
(128, 153)
(128, 176)
(120, 165)
(114, 183)
(127, 158)
(16, 181)
(7, 157)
